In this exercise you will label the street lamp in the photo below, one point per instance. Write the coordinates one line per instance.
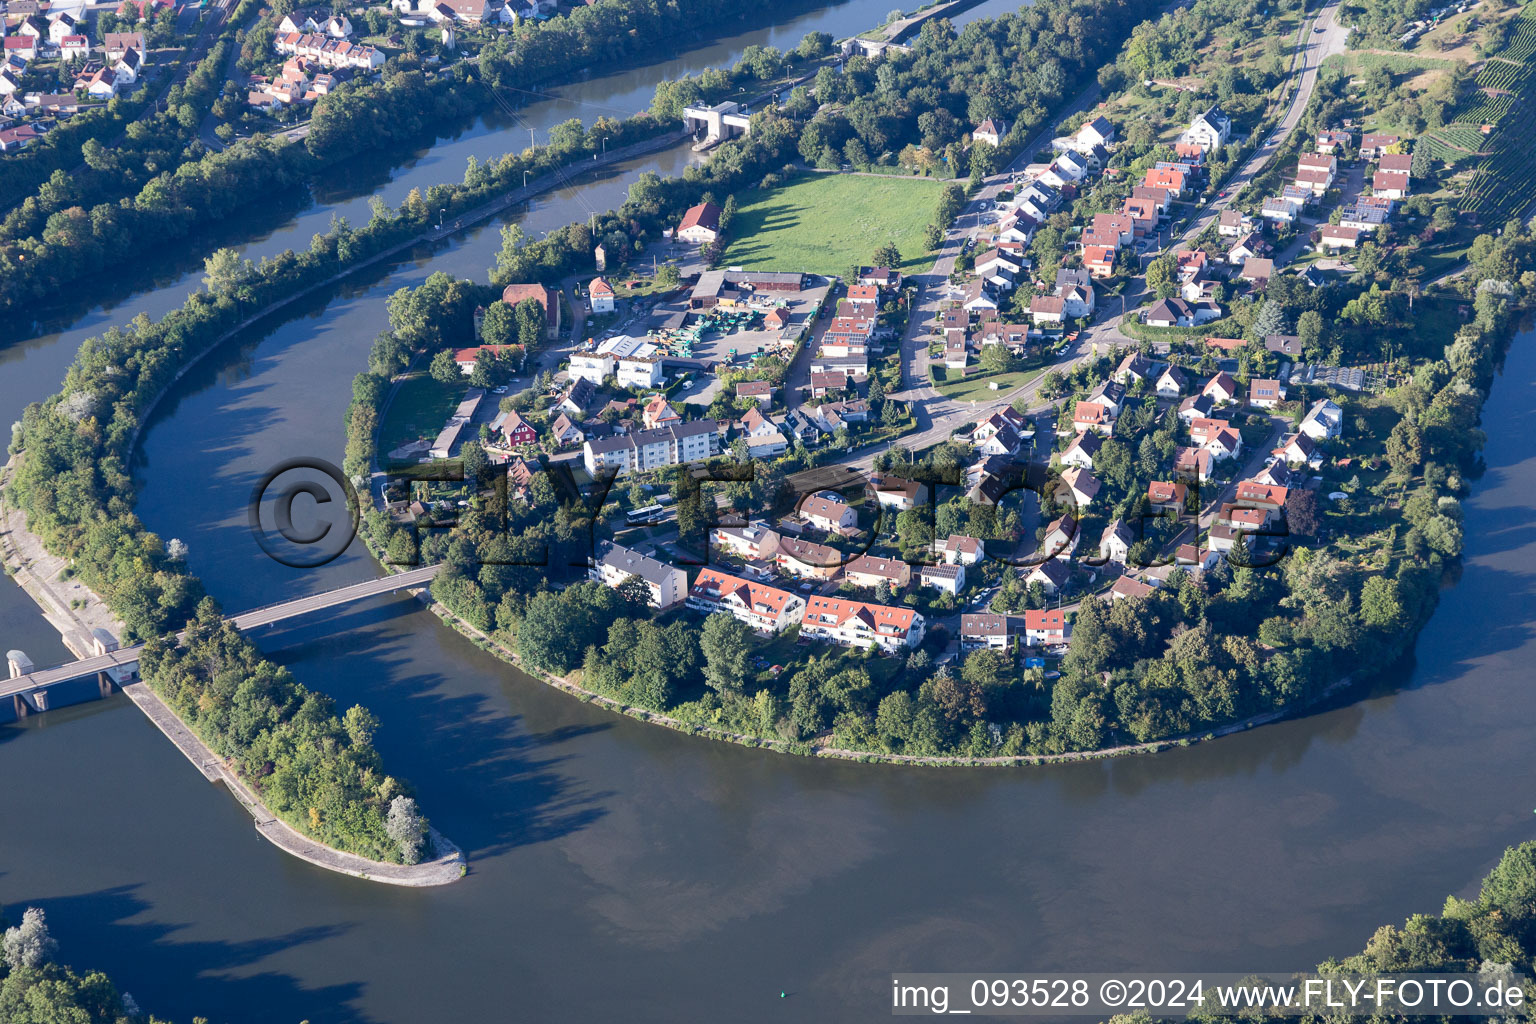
(525, 179)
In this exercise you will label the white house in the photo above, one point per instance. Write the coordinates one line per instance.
(764, 608)
(1323, 420)
(1209, 130)
(600, 296)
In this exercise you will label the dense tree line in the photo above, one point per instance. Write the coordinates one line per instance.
(316, 770)
(917, 108)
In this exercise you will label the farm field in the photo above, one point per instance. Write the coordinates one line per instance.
(824, 223)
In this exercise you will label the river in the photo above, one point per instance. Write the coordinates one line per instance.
(620, 870)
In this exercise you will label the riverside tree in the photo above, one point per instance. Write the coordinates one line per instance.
(406, 826)
(29, 945)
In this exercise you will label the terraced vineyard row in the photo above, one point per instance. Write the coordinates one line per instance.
(1504, 183)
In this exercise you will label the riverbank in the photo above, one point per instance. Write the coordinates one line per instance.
(494, 647)
(74, 610)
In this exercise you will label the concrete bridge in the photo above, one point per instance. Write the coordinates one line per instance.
(29, 691)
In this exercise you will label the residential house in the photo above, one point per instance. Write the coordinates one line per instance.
(754, 542)
(600, 296)
(1118, 227)
(1115, 542)
(1047, 309)
(1075, 288)
(1082, 484)
(1298, 449)
(1332, 140)
(761, 607)
(514, 429)
(1246, 248)
(1167, 496)
(1082, 450)
(1176, 312)
(860, 624)
(1332, 237)
(1287, 345)
(566, 432)
(1095, 132)
(1233, 224)
(62, 27)
(1061, 537)
(1051, 574)
(884, 278)
(962, 550)
(798, 557)
(658, 412)
(1315, 172)
(990, 131)
(24, 47)
(1192, 463)
(1376, 144)
(1209, 129)
(1257, 272)
(1045, 627)
(1221, 388)
(1173, 180)
(1128, 587)
(1280, 210)
(1099, 261)
(983, 630)
(870, 571)
(1093, 416)
(977, 296)
(1265, 394)
(1196, 407)
(1391, 184)
(613, 565)
(827, 512)
(1172, 382)
(948, 579)
(865, 299)
(13, 139)
(1323, 421)
(895, 493)
(759, 391)
(1133, 367)
(700, 224)
(75, 47)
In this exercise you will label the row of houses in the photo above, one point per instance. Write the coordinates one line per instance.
(761, 606)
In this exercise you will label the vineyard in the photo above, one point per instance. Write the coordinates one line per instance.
(1504, 180)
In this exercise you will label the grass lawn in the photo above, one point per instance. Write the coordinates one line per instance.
(975, 390)
(420, 408)
(824, 223)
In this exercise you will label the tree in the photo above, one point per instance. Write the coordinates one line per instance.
(499, 324)
(1381, 603)
(1162, 277)
(406, 827)
(1309, 328)
(668, 276)
(888, 255)
(224, 271)
(1269, 320)
(1301, 512)
(443, 369)
(1405, 448)
(530, 323)
(813, 45)
(29, 945)
(724, 642)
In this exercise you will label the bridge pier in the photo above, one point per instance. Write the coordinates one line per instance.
(21, 665)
